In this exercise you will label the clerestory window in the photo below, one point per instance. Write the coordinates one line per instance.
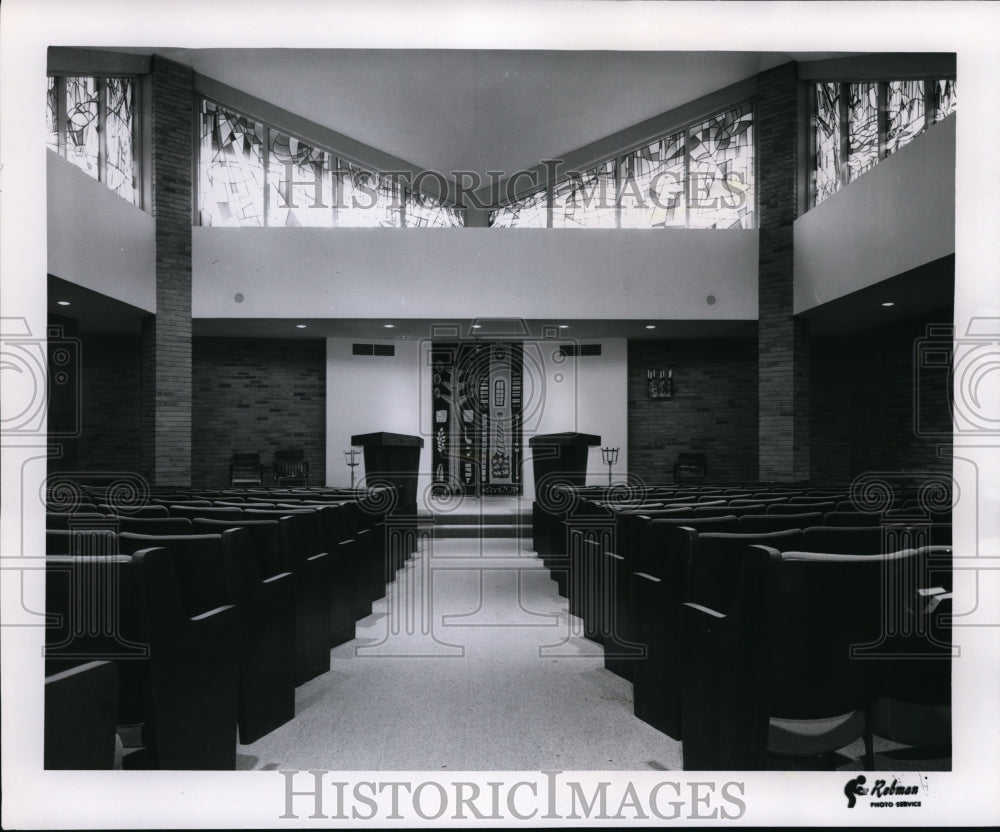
(92, 123)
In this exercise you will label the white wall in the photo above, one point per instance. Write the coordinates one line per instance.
(365, 394)
(896, 216)
(368, 394)
(473, 272)
(96, 239)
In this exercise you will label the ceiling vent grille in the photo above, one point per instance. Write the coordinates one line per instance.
(387, 350)
(570, 350)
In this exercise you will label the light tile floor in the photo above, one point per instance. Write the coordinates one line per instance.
(471, 662)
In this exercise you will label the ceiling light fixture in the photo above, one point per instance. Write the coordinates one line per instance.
(477, 326)
(889, 303)
(650, 326)
(389, 326)
(63, 303)
(300, 326)
(563, 326)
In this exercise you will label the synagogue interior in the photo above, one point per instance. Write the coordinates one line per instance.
(501, 424)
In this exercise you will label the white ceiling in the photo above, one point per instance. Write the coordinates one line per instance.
(478, 110)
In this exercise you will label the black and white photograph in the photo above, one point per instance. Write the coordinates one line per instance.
(499, 414)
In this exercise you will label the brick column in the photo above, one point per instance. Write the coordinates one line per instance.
(782, 341)
(166, 339)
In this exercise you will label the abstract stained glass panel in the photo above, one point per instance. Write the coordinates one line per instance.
(52, 114)
(82, 137)
(945, 99)
(119, 130)
(862, 119)
(230, 169)
(527, 212)
(652, 190)
(826, 141)
(367, 199)
(905, 116)
(429, 212)
(721, 171)
(300, 184)
(586, 200)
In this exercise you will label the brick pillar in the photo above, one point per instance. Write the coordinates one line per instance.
(166, 339)
(782, 341)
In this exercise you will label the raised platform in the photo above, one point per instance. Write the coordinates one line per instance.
(471, 517)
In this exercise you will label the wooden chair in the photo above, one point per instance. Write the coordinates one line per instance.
(690, 467)
(246, 469)
(290, 467)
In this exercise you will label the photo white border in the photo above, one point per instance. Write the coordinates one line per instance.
(33, 798)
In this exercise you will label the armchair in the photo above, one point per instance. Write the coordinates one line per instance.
(245, 469)
(291, 467)
(690, 467)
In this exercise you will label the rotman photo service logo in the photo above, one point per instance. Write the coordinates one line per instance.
(908, 792)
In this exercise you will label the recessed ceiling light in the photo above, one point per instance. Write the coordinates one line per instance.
(477, 326)
(389, 326)
(300, 326)
(889, 303)
(563, 326)
(63, 303)
(650, 326)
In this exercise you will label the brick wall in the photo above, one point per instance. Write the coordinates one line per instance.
(863, 393)
(257, 395)
(166, 447)
(714, 408)
(111, 404)
(782, 340)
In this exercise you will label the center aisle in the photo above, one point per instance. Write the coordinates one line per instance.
(471, 662)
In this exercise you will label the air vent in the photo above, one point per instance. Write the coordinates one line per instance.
(374, 349)
(570, 350)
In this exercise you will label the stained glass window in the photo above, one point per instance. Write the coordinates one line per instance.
(52, 115)
(118, 137)
(92, 122)
(905, 116)
(367, 199)
(586, 200)
(827, 141)
(300, 184)
(82, 137)
(721, 172)
(651, 191)
(230, 169)
(945, 94)
(702, 177)
(862, 121)
(902, 106)
(528, 212)
(428, 212)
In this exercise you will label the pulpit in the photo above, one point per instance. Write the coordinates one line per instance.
(394, 459)
(560, 458)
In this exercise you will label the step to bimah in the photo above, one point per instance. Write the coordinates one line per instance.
(481, 522)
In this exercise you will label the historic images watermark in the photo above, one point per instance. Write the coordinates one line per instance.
(664, 190)
(546, 796)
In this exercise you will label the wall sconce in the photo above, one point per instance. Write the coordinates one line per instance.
(351, 458)
(660, 384)
(610, 456)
